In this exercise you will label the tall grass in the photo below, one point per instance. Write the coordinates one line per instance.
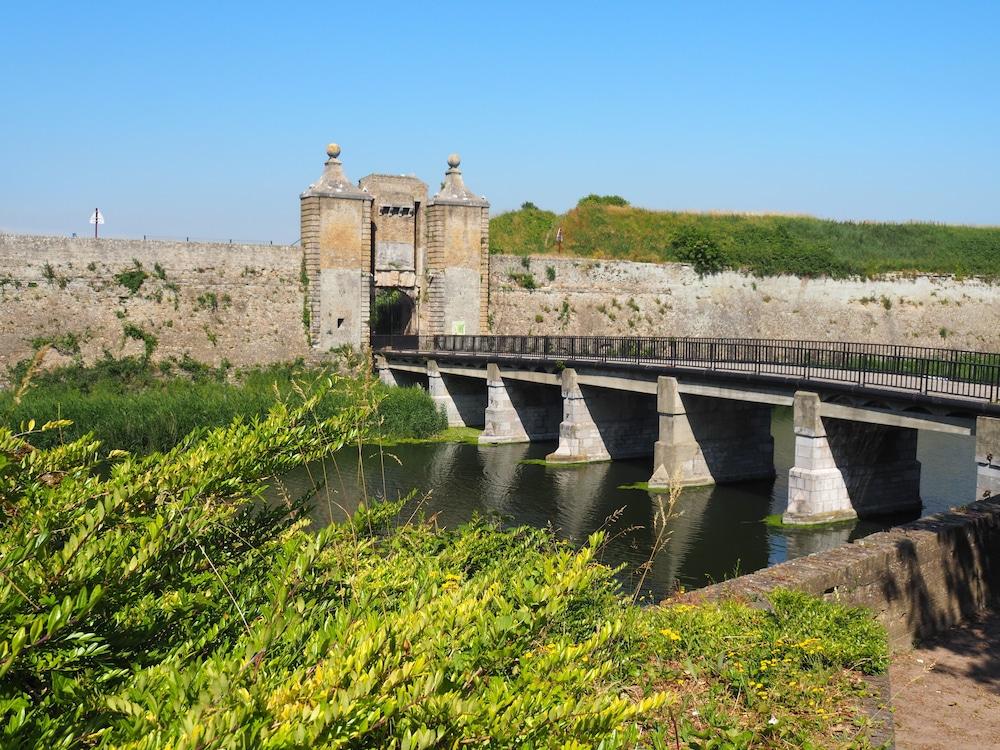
(128, 404)
(765, 245)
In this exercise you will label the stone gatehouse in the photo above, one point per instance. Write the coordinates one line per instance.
(383, 258)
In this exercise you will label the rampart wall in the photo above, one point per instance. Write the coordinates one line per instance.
(918, 579)
(244, 303)
(213, 302)
(599, 297)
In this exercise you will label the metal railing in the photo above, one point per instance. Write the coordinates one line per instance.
(913, 368)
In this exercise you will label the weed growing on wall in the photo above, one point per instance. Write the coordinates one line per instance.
(149, 341)
(132, 278)
(523, 280)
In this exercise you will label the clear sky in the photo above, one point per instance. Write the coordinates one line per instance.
(207, 119)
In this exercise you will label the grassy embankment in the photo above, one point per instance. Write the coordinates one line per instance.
(764, 245)
(153, 604)
(131, 405)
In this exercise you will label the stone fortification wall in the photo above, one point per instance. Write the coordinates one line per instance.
(598, 297)
(213, 302)
(918, 579)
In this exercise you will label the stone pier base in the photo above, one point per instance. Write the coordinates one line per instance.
(397, 377)
(846, 469)
(463, 400)
(599, 424)
(987, 457)
(709, 440)
(519, 412)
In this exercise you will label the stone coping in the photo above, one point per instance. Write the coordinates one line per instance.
(918, 579)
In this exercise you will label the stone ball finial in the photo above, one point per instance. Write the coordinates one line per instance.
(333, 150)
(454, 160)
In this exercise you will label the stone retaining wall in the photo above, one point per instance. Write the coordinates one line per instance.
(586, 297)
(213, 302)
(918, 579)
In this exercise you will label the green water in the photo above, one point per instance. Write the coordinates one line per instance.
(716, 532)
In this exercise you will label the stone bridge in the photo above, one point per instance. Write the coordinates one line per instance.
(701, 408)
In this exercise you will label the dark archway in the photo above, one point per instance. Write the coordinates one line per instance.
(392, 312)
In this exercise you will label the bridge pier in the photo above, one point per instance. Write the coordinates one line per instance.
(399, 378)
(845, 469)
(599, 424)
(463, 400)
(518, 412)
(987, 457)
(706, 440)
(385, 374)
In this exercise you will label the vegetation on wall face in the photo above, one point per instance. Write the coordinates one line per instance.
(132, 278)
(306, 306)
(765, 245)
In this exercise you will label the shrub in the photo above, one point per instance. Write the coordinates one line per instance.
(158, 605)
(523, 280)
(133, 405)
(699, 250)
(602, 200)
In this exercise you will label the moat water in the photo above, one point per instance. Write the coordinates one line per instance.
(716, 532)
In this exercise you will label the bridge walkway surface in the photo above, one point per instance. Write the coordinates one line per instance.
(964, 378)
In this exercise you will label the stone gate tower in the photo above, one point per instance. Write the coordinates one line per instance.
(382, 258)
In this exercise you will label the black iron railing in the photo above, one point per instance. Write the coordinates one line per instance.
(914, 368)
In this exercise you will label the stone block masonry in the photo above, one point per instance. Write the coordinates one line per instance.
(212, 302)
(463, 400)
(590, 297)
(918, 579)
(845, 469)
(519, 411)
(599, 424)
(709, 440)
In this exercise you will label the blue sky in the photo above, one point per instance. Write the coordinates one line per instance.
(207, 119)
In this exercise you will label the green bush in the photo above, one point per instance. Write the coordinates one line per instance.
(156, 604)
(700, 251)
(602, 200)
(132, 405)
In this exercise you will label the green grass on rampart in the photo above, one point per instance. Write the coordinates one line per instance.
(131, 405)
(764, 245)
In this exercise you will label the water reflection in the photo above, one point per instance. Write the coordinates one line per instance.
(715, 532)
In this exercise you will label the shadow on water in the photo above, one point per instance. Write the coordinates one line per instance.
(716, 532)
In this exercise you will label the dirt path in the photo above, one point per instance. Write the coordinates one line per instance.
(947, 692)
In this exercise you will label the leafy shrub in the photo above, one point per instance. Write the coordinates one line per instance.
(523, 280)
(700, 250)
(602, 200)
(149, 340)
(133, 405)
(157, 605)
(207, 301)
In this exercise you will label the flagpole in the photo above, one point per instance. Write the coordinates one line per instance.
(97, 212)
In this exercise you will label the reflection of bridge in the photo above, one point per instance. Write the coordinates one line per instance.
(701, 407)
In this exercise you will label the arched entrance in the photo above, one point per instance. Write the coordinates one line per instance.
(393, 312)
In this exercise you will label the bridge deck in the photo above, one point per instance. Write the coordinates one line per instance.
(902, 373)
